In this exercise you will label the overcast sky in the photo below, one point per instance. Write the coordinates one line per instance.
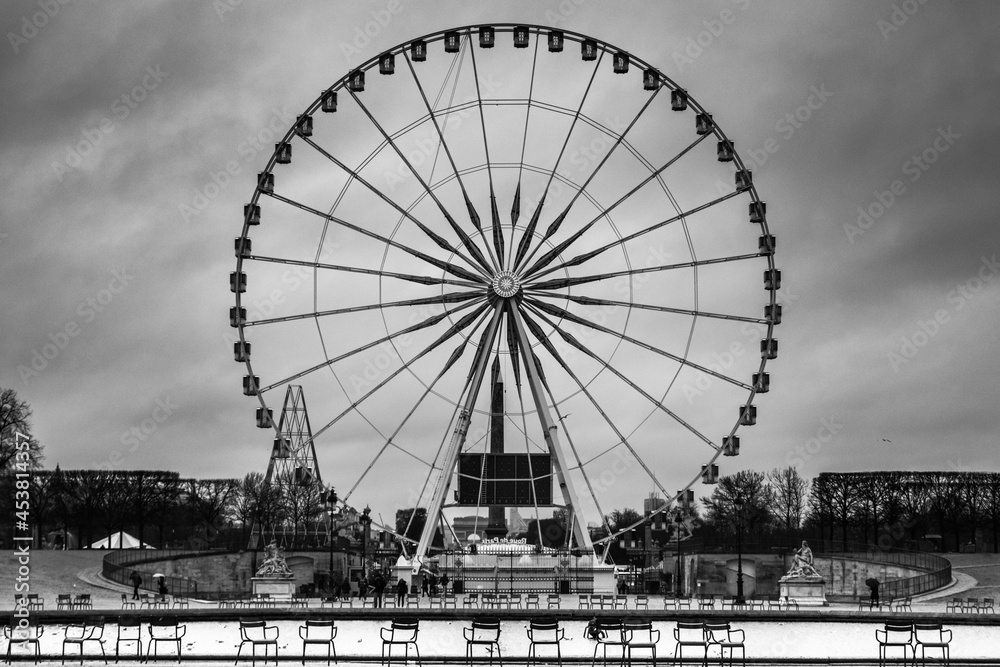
(868, 125)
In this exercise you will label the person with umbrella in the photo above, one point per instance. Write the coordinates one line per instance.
(872, 583)
(161, 586)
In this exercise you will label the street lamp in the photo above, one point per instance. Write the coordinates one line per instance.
(331, 500)
(679, 520)
(366, 522)
(738, 504)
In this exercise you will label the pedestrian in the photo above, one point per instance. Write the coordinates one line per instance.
(378, 584)
(345, 587)
(444, 584)
(162, 587)
(136, 580)
(424, 583)
(362, 586)
(873, 585)
(402, 590)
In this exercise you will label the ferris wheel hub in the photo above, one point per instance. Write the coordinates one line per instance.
(506, 284)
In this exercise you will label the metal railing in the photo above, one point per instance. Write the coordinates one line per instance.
(120, 564)
(937, 570)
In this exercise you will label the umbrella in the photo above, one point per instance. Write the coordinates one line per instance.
(158, 574)
(871, 582)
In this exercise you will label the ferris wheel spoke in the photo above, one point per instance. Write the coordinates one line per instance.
(556, 311)
(557, 223)
(494, 214)
(591, 301)
(561, 247)
(569, 338)
(439, 263)
(560, 283)
(466, 240)
(423, 280)
(473, 215)
(427, 322)
(452, 331)
(546, 342)
(529, 232)
(450, 297)
(515, 208)
(431, 234)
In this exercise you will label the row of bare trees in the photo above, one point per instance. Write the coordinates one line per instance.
(896, 508)
(156, 506)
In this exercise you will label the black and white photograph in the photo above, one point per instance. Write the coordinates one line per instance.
(658, 326)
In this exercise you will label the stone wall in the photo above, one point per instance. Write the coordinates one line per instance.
(715, 574)
(231, 572)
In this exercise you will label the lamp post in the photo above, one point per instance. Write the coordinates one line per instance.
(366, 522)
(679, 520)
(331, 500)
(738, 504)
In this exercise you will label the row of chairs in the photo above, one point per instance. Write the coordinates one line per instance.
(889, 604)
(971, 605)
(911, 637)
(92, 630)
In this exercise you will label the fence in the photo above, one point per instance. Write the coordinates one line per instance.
(120, 564)
(937, 569)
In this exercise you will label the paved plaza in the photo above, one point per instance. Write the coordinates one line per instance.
(836, 634)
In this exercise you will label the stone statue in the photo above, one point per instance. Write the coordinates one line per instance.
(274, 564)
(802, 562)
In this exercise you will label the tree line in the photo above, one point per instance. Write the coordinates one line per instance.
(157, 507)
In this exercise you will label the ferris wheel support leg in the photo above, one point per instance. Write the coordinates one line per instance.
(457, 441)
(551, 432)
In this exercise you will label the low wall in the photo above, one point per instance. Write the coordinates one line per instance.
(715, 574)
(230, 573)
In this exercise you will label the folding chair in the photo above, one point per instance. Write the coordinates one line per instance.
(78, 634)
(401, 632)
(319, 633)
(544, 633)
(129, 630)
(483, 632)
(258, 633)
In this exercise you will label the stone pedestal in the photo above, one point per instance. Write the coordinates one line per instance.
(806, 591)
(277, 588)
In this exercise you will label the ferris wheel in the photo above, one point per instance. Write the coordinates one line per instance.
(512, 266)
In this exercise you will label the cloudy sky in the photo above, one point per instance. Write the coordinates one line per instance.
(132, 137)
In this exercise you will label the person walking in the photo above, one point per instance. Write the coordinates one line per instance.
(873, 601)
(402, 590)
(136, 580)
(424, 583)
(345, 588)
(444, 584)
(378, 585)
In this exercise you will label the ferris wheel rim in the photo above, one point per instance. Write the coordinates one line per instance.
(605, 47)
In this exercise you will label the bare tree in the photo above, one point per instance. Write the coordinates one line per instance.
(757, 499)
(789, 491)
(15, 422)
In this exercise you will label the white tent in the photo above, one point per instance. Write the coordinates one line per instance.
(119, 540)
